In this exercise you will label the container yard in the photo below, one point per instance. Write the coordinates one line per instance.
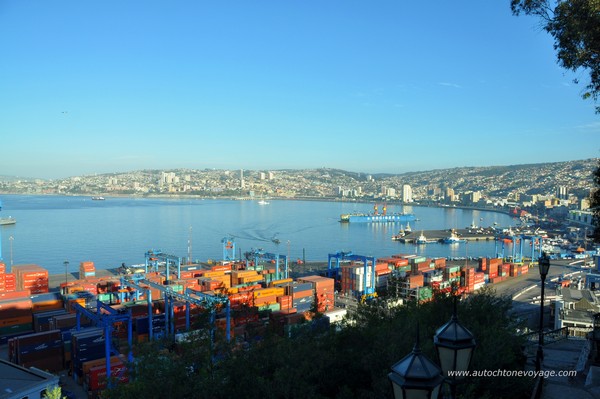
(86, 327)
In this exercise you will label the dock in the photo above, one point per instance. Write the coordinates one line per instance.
(434, 236)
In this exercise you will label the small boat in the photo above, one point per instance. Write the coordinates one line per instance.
(400, 235)
(98, 198)
(408, 229)
(263, 202)
(453, 239)
(421, 239)
(7, 221)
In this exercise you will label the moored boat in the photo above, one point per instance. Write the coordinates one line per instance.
(7, 221)
(453, 238)
(421, 239)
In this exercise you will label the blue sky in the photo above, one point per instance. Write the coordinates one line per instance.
(368, 86)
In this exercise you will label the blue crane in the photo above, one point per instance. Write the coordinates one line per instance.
(154, 255)
(258, 254)
(517, 247)
(200, 299)
(105, 317)
(369, 291)
(228, 248)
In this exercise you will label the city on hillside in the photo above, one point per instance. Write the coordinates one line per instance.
(556, 191)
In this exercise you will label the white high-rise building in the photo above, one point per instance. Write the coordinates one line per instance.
(407, 195)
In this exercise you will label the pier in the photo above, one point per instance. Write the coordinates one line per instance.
(434, 236)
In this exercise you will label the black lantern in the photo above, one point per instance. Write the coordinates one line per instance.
(415, 376)
(454, 345)
(544, 265)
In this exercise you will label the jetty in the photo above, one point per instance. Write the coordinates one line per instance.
(439, 235)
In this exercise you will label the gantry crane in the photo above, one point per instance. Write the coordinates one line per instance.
(105, 317)
(228, 248)
(199, 299)
(258, 254)
(153, 256)
(369, 291)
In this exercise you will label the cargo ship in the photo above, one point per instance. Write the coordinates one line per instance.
(376, 217)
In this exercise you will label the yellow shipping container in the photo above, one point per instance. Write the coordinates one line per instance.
(250, 279)
(213, 274)
(243, 273)
(276, 291)
(282, 281)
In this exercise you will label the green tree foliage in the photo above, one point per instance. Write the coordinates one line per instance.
(53, 393)
(349, 363)
(575, 27)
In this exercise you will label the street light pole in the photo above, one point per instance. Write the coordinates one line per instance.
(11, 239)
(544, 265)
(66, 263)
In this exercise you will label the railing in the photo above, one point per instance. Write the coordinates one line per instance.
(549, 336)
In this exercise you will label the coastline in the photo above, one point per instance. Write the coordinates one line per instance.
(275, 198)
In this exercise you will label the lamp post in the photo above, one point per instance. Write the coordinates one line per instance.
(544, 265)
(454, 345)
(66, 263)
(11, 239)
(416, 376)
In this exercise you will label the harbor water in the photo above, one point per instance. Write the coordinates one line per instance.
(53, 229)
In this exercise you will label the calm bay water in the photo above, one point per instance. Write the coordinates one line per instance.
(52, 229)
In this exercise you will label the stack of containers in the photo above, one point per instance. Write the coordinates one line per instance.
(94, 374)
(87, 269)
(452, 273)
(415, 280)
(324, 290)
(86, 345)
(478, 280)
(439, 263)
(420, 264)
(244, 277)
(46, 302)
(382, 272)
(483, 262)
(7, 280)
(401, 263)
(42, 350)
(303, 296)
(433, 276)
(505, 270)
(15, 314)
(354, 280)
(41, 320)
(239, 299)
(467, 278)
(514, 270)
(266, 298)
(31, 277)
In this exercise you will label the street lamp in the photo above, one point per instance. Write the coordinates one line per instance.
(11, 239)
(544, 265)
(416, 376)
(66, 263)
(454, 345)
